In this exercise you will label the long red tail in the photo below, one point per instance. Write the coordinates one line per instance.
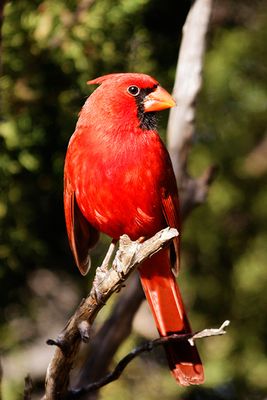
(164, 298)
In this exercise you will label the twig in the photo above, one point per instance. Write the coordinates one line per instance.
(107, 281)
(209, 332)
(145, 347)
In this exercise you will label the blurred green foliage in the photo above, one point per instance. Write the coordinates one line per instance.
(50, 50)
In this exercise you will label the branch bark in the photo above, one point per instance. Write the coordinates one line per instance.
(112, 333)
(107, 281)
(147, 346)
(181, 124)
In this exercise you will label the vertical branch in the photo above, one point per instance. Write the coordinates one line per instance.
(181, 125)
(187, 84)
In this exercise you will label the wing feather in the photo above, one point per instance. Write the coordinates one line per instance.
(82, 235)
(170, 208)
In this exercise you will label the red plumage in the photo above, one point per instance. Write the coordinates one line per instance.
(119, 179)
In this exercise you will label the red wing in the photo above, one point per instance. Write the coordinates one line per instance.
(170, 207)
(82, 236)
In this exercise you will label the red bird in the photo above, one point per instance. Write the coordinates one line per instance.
(119, 179)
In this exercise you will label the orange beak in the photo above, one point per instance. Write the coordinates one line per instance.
(158, 100)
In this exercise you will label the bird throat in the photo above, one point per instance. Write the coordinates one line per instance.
(147, 120)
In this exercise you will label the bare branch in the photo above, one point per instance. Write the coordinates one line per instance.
(209, 332)
(195, 191)
(181, 125)
(187, 84)
(107, 281)
(112, 333)
(147, 346)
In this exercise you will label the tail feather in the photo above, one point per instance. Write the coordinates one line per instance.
(164, 298)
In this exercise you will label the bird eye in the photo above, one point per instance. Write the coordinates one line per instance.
(133, 90)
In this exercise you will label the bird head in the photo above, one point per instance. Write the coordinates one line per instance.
(125, 94)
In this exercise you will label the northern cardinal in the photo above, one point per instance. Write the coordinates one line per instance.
(118, 179)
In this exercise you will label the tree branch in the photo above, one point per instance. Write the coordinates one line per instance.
(145, 347)
(181, 125)
(107, 281)
(113, 332)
